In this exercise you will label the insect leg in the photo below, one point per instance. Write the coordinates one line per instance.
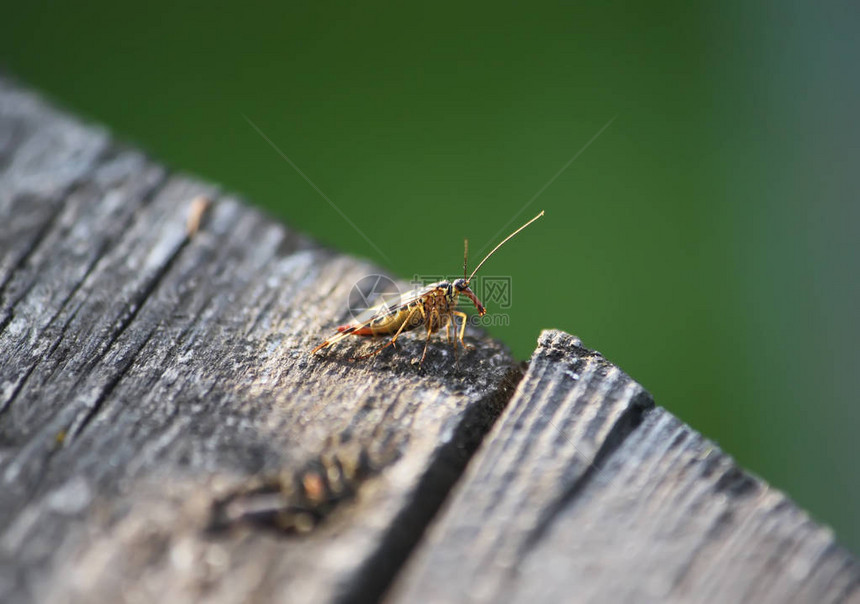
(463, 318)
(453, 319)
(393, 340)
(433, 314)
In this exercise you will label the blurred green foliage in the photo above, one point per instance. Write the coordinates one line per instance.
(706, 241)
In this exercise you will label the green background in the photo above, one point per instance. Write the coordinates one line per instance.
(706, 241)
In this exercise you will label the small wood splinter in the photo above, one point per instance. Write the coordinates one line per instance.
(199, 206)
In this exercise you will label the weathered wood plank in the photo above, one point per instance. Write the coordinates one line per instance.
(145, 373)
(685, 524)
(583, 493)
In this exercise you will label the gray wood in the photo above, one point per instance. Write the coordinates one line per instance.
(584, 492)
(146, 375)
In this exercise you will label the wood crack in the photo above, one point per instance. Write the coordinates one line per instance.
(95, 258)
(137, 303)
(34, 245)
(380, 570)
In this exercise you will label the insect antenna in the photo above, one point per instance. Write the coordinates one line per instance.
(465, 255)
(504, 241)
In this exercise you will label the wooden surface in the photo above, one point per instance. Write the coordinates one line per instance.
(144, 374)
(166, 436)
(584, 492)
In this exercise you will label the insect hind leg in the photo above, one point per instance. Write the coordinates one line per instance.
(433, 315)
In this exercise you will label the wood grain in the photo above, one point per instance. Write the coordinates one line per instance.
(585, 493)
(146, 373)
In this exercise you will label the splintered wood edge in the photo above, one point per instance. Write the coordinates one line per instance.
(583, 490)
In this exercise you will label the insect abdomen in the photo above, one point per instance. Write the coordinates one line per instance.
(387, 324)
